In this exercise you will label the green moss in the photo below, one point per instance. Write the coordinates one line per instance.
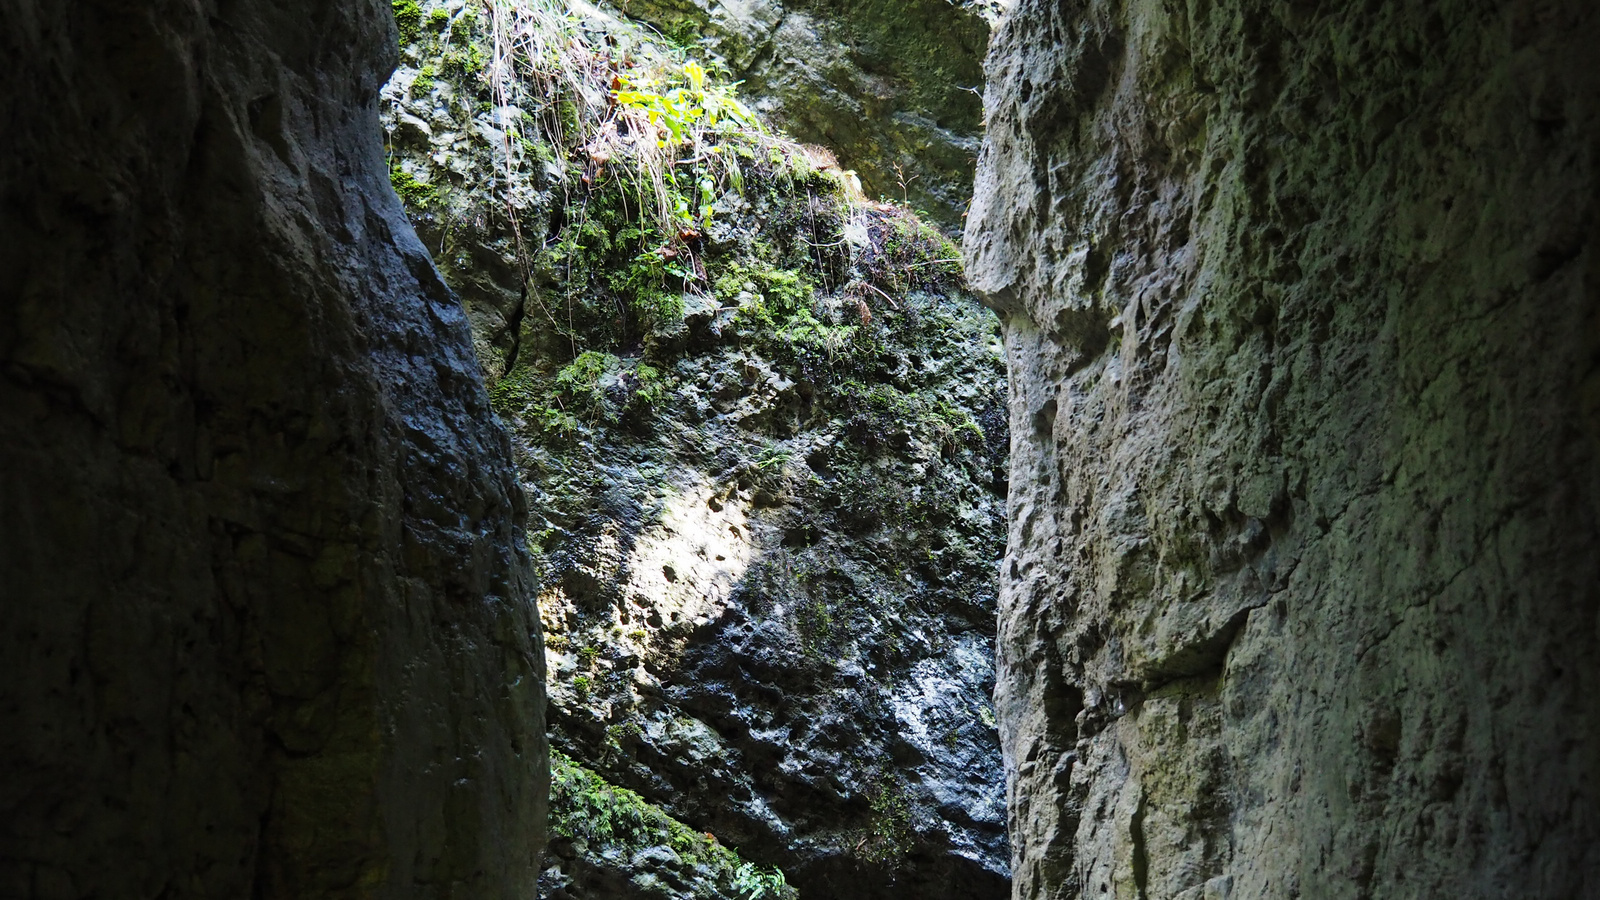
(585, 806)
(651, 285)
(408, 18)
(423, 83)
(649, 384)
(463, 62)
(910, 254)
(416, 194)
(464, 25)
(514, 391)
(580, 381)
(785, 290)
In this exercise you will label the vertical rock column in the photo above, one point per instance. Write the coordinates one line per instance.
(265, 623)
(1300, 303)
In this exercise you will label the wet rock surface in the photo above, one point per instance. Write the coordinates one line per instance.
(765, 470)
(1300, 305)
(268, 627)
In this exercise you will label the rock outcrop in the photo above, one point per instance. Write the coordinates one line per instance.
(267, 617)
(763, 439)
(1302, 309)
(893, 87)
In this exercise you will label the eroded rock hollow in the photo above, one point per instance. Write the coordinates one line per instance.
(1300, 311)
(268, 625)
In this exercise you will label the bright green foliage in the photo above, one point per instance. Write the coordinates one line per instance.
(424, 80)
(787, 290)
(651, 385)
(408, 18)
(415, 193)
(596, 388)
(687, 112)
(582, 685)
(585, 806)
(580, 380)
(461, 29)
(465, 61)
(755, 883)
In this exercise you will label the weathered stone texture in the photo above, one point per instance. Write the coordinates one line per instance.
(267, 629)
(891, 86)
(1301, 309)
(768, 512)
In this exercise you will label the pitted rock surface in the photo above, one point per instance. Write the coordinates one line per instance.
(1300, 306)
(268, 625)
(768, 521)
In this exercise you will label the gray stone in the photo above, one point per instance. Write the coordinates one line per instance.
(768, 520)
(892, 87)
(1300, 304)
(265, 616)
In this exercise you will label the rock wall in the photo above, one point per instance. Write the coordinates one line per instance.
(267, 616)
(893, 87)
(764, 447)
(1300, 303)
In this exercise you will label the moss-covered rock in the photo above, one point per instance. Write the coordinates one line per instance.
(759, 421)
(613, 843)
(893, 87)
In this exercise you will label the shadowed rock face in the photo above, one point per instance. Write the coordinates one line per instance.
(1300, 303)
(267, 626)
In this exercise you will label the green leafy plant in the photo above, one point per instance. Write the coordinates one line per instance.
(417, 194)
(889, 835)
(755, 883)
(580, 380)
(690, 120)
(686, 112)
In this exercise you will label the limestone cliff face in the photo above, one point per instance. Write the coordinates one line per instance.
(1300, 302)
(267, 625)
(891, 86)
(766, 485)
